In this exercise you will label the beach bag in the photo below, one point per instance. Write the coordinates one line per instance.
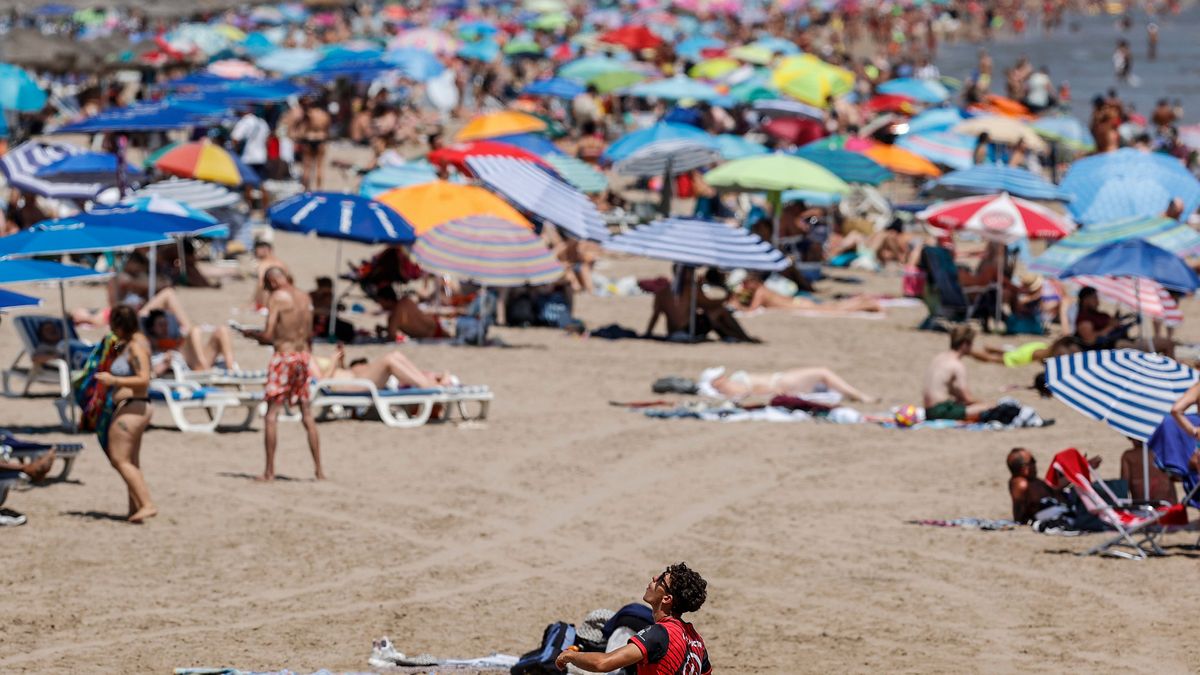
(557, 637)
(520, 311)
(552, 310)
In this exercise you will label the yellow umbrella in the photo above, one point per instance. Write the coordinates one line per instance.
(503, 123)
(756, 54)
(809, 79)
(231, 33)
(427, 205)
(714, 68)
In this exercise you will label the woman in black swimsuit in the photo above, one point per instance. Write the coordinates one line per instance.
(129, 378)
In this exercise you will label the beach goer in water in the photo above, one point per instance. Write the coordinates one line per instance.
(128, 376)
(794, 382)
(289, 331)
(1122, 61)
(1030, 494)
(753, 294)
(667, 647)
(946, 394)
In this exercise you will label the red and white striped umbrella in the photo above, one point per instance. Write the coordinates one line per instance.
(999, 218)
(1141, 295)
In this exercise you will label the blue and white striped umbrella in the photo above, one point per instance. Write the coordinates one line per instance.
(677, 156)
(700, 243)
(341, 216)
(196, 194)
(935, 119)
(21, 164)
(1128, 183)
(535, 191)
(984, 179)
(1130, 391)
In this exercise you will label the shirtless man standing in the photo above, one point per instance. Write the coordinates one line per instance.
(289, 330)
(946, 394)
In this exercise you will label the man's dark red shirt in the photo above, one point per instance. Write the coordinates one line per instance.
(671, 647)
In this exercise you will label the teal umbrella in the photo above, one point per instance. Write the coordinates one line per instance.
(578, 173)
(19, 91)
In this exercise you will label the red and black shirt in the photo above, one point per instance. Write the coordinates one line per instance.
(671, 647)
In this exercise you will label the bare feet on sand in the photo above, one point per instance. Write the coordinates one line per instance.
(265, 478)
(37, 470)
(147, 511)
(320, 475)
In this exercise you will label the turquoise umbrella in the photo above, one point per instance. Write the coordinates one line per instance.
(578, 173)
(19, 91)
(674, 89)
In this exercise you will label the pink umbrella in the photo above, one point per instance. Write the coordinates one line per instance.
(426, 38)
(999, 218)
(235, 69)
(1144, 295)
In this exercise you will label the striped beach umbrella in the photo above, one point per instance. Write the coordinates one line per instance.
(578, 173)
(935, 119)
(941, 147)
(671, 156)
(700, 243)
(196, 194)
(999, 218)
(1163, 232)
(634, 141)
(489, 251)
(1144, 296)
(851, 167)
(993, 178)
(203, 160)
(21, 164)
(1130, 391)
(1128, 183)
(457, 154)
(532, 189)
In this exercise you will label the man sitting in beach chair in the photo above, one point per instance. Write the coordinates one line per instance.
(944, 293)
(1095, 329)
(47, 352)
(172, 338)
(1034, 499)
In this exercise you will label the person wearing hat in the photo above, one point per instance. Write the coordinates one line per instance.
(669, 645)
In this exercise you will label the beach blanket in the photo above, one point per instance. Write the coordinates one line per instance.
(987, 524)
(95, 399)
(384, 655)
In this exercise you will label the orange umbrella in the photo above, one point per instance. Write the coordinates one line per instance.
(428, 205)
(503, 123)
(901, 161)
(1001, 105)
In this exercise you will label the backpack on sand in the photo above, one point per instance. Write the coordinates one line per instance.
(557, 637)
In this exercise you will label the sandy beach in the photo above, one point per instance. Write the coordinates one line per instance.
(460, 540)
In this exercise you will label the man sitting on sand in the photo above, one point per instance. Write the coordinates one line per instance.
(711, 315)
(946, 394)
(667, 647)
(1030, 494)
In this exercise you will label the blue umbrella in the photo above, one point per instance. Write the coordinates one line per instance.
(289, 61)
(386, 178)
(1165, 233)
(1066, 130)
(994, 178)
(626, 145)
(941, 147)
(21, 164)
(935, 119)
(19, 91)
(692, 47)
(155, 203)
(557, 87)
(535, 143)
(1128, 183)
(99, 167)
(483, 50)
(170, 113)
(851, 167)
(8, 300)
(674, 89)
(342, 217)
(732, 146)
(778, 45)
(416, 64)
(1139, 259)
(925, 91)
(26, 271)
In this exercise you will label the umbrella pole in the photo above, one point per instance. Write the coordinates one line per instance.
(1000, 285)
(665, 204)
(1145, 472)
(1137, 293)
(775, 198)
(483, 292)
(62, 301)
(153, 273)
(337, 265)
(182, 260)
(692, 314)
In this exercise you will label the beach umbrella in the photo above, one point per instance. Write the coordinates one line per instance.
(174, 112)
(502, 123)
(19, 91)
(733, 146)
(993, 178)
(777, 45)
(85, 167)
(625, 146)
(1165, 233)
(794, 130)
(577, 172)
(633, 38)
(811, 80)
(941, 147)
(342, 217)
(427, 39)
(1066, 130)
(456, 154)
(528, 186)
(712, 69)
(756, 54)
(893, 103)
(1128, 183)
(554, 87)
(428, 205)
(289, 61)
(1136, 259)
(493, 252)
(235, 69)
(156, 203)
(842, 142)
(11, 300)
(674, 89)
(901, 161)
(935, 119)
(21, 164)
(998, 218)
(776, 107)
(389, 177)
(773, 174)
(1129, 391)
(1141, 295)
(925, 91)
(204, 160)
(485, 51)
(1001, 129)
(588, 67)
(694, 46)
(194, 193)
(609, 82)
(670, 158)
(851, 167)
(416, 64)
(758, 87)
(522, 47)
(535, 143)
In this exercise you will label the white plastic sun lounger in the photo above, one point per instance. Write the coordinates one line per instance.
(180, 398)
(398, 408)
(53, 371)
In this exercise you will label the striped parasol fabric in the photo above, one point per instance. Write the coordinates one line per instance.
(1130, 391)
(24, 161)
(941, 147)
(1144, 296)
(700, 243)
(579, 173)
(488, 250)
(1166, 233)
(676, 155)
(197, 194)
(998, 218)
(531, 188)
(993, 178)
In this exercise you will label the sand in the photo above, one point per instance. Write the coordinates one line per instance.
(460, 540)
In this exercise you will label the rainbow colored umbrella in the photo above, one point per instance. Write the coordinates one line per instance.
(503, 123)
(490, 251)
(203, 160)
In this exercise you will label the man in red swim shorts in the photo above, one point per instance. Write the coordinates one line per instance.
(289, 330)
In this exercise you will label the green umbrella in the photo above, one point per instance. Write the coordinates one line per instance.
(773, 174)
(589, 67)
(578, 173)
(607, 82)
(521, 47)
(550, 22)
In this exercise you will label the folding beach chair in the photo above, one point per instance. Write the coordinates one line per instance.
(15, 448)
(945, 297)
(1173, 449)
(1138, 523)
(53, 371)
(398, 407)
(181, 398)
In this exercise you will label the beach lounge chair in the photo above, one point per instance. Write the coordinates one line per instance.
(944, 295)
(1138, 523)
(28, 450)
(55, 370)
(398, 407)
(181, 398)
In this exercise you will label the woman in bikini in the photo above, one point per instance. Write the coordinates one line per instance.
(128, 376)
(718, 383)
(380, 369)
(753, 294)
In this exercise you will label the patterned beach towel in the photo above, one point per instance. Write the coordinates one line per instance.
(95, 399)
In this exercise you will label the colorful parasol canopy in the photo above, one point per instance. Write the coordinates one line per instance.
(901, 161)
(1141, 295)
(999, 218)
(503, 123)
(428, 205)
(777, 172)
(1003, 129)
(203, 160)
(1166, 233)
(456, 155)
(429, 39)
(633, 38)
(809, 79)
(490, 251)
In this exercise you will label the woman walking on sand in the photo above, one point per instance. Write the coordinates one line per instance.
(113, 396)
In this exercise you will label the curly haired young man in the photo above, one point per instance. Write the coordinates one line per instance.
(670, 646)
